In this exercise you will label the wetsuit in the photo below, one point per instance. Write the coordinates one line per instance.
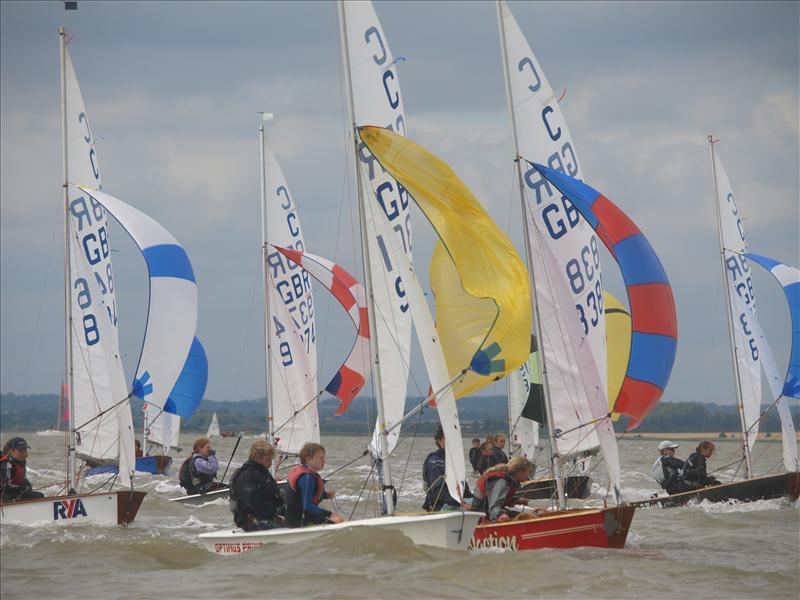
(498, 457)
(305, 491)
(695, 471)
(475, 458)
(254, 498)
(14, 484)
(668, 472)
(197, 474)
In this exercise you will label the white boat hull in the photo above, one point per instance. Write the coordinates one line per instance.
(201, 499)
(114, 508)
(450, 530)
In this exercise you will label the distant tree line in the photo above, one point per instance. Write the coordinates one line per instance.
(478, 414)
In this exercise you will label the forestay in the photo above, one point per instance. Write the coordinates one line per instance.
(739, 287)
(98, 379)
(292, 344)
(377, 101)
(542, 136)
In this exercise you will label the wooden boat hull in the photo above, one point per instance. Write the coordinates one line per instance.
(157, 464)
(113, 508)
(222, 492)
(574, 528)
(450, 530)
(578, 486)
(748, 490)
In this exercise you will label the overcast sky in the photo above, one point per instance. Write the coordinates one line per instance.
(172, 91)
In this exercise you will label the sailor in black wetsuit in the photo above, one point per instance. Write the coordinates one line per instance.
(668, 470)
(255, 499)
(695, 471)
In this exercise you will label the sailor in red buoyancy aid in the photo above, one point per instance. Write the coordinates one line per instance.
(306, 490)
(498, 486)
(14, 483)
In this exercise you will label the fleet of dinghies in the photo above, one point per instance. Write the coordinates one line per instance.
(574, 357)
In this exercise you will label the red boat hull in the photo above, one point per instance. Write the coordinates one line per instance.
(575, 528)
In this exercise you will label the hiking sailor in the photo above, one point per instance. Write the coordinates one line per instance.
(197, 472)
(668, 470)
(13, 482)
(254, 498)
(306, 490)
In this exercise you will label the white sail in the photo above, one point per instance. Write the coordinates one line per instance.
(377, 101)
(436, 366)
(524, 432)
(543, 137)
(213, 428)
(775, 381)
(292, 345)
(739, 287)
(163, 428)
(98, 381)
(595, 415)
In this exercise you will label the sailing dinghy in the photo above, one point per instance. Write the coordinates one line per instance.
(750, 354)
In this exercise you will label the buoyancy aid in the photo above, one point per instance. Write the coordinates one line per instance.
(13, 471)
(190, 478)
(483, 484)
(295, 474)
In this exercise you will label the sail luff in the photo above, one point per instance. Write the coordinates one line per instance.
(68, 371)
(384, 471)
(747, 444)
(266, 284)
(554, 458)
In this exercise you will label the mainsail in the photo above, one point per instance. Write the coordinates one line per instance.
(377, 101)
(741, 300)
(654, 324)
(481, 286)
(102, 416)
(353, 374)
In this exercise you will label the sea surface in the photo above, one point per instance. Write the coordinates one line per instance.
(703, 551)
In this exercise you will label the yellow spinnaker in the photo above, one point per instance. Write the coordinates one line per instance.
(618, 344)
(482, 289)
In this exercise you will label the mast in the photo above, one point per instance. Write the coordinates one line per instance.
(264, 252)
(383, 470)
(729, 309)
(554, 456)
(67, 259)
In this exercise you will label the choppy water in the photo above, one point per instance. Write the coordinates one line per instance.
(705, 551)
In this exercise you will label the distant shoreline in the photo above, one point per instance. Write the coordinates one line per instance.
(699, 435)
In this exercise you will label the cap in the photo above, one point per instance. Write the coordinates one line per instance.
(18, 443)
(667, 444)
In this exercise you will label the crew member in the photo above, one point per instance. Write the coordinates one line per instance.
(437, 496)
(695, 471)
(668, 470)
(13, 482)
(306, 490)
(197, 472)
(499, 456)
(498, 486)
(475, 454)
(138, 444)
(254, 497)
(486, 457)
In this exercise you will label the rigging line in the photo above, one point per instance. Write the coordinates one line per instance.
(256, 280)
(298, 411)
(35, 335)
(361, 493)
(594, 422)
(410, 450)
(424, 403)
(764, 413)
(103, 412)
(344, 466)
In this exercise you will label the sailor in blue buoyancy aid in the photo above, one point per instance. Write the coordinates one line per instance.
(197, 472)
(306, 490)
(668, 470)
